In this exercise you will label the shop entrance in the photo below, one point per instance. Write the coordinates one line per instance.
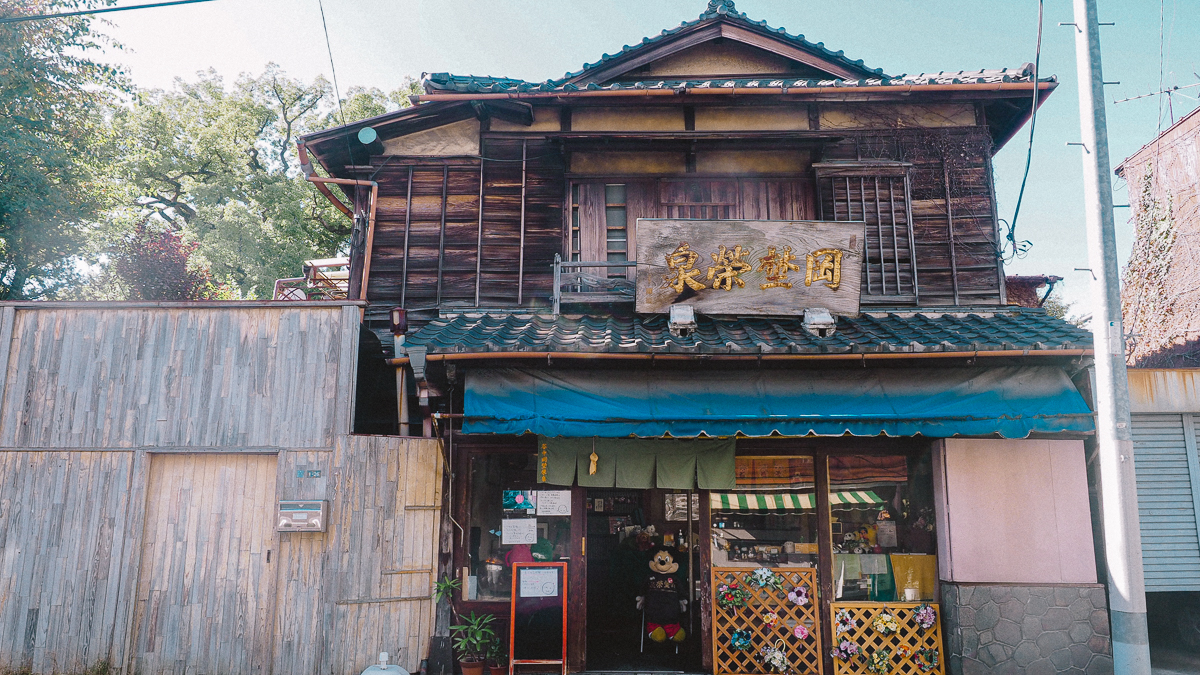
(625, 530)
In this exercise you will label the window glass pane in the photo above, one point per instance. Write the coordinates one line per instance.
(614, 194)
(884, 536)
(771, 518)
(615, 215)
(492, 476)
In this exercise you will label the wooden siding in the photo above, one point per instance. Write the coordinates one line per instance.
(204, 592)
(64, 554)
(98, 378)
(1167, 476)
(142, 544)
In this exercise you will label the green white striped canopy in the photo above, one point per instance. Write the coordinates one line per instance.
(750, 501)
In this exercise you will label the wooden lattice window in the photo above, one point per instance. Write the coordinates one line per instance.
(699, 199)
(599, 230)
(877, 194)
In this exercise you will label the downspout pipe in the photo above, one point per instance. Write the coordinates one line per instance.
(322, 186)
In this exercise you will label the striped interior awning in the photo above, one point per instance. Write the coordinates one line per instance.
(751, 501)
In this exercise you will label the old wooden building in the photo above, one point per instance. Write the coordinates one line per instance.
(593, 307)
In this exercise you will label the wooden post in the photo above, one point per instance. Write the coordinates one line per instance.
(442, 233)
(950, 228)
(912, 239)
(521, 262)
(706, 626)
(479, 234)
(407, 227)
(824, 554)
(577, 583)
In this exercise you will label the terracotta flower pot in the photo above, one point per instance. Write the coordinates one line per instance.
(471, 667)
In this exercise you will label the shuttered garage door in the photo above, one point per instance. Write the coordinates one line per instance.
(1166, 462)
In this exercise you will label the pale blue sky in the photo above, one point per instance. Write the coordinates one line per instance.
(378, 42)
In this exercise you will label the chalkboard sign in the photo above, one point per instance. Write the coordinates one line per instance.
(538, 623)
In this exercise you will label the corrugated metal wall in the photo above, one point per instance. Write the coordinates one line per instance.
(1168, 473)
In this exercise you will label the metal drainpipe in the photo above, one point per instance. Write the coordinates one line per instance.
(321, 183)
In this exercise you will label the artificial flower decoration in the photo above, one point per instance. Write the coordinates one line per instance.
(885, 623)
(774, 658)
(926, 617)
(740, 640)
(731, 595)
(843, 622)
(844, 650)
(903, 652)
(763, 577)
(880, 661)
(799, 595)
(801, 632)
(770, 619)
(927, 660)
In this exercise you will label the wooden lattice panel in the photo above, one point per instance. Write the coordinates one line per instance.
(910, 636)
(804, 656)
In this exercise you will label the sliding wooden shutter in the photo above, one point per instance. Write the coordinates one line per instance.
(877, 194)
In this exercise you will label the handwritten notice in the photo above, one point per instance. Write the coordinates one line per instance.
(539, 582)
(518, 531)
(886, 534)
(554, 502)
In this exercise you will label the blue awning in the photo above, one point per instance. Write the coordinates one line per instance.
(1010, 401)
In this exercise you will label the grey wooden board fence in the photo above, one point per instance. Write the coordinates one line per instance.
(658, 238)
(81, 377)
(1165, 462)
(62, 521)
(205, 588)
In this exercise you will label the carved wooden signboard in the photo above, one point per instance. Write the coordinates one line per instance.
(749, 266)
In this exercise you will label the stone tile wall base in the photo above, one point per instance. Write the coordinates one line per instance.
(993, 629)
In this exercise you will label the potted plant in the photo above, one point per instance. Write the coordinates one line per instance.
(472, 639)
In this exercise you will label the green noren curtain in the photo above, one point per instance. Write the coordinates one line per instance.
(636, 463)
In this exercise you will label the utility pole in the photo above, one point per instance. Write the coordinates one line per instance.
(1118, 486)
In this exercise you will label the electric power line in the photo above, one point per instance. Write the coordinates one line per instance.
(36, 17)
(1019, 249)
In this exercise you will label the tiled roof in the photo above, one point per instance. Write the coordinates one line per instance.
(1009, 329)
(470, 84)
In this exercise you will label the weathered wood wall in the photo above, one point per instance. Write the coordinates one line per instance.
(142, 451)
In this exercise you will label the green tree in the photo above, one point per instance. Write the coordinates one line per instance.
(51, 98)
(217, 163)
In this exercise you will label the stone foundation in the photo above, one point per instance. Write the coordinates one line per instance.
(1038, 630)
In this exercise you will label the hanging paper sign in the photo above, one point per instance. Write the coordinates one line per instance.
(554, 502)
(749, 266)
(518, 531)
(539, 582)
(885, 536)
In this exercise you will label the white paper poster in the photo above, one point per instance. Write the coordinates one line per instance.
(518, 531)
(538, 582)
(885, 536)
(554, 502)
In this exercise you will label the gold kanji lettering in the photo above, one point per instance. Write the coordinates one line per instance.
(824, 265)
(680, 262)
(777, 266)
(728, 266)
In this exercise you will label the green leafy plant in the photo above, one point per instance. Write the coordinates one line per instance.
(473, 637)
(445, 587)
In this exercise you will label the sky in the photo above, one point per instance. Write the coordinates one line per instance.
(377, 43)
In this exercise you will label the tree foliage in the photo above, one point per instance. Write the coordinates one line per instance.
(217, 164)
(51, 131)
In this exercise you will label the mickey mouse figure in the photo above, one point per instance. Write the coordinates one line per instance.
(662, 599)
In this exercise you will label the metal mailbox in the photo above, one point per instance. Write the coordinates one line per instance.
(302, 516)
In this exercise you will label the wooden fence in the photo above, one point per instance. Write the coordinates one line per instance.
(143, 449)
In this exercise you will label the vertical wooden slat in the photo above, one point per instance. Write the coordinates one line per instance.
(521, 252)
(442, 233)
(891, 183)
(879, 234)
(478, 234)
(407, 230)
(950, 229)
(912, 243)
(593, 234)
(824, 552)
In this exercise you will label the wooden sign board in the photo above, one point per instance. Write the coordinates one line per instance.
(749, 267)
(537, 628)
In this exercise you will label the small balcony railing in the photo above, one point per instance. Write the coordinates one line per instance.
(574, 286)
